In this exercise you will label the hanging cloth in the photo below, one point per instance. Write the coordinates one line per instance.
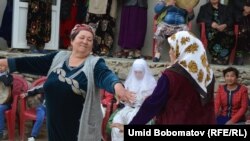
(72, 12)
(6, 26)
(39, 23)
(98, 6)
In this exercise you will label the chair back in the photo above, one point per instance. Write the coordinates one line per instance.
(20, 85)
(39, 81)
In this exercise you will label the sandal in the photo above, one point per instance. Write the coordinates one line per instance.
(130, 55)
(137, 54)
(157, 57)
(119, 54)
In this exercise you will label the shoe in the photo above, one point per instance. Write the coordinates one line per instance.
(31, 139)
(137, 54)
(155, 59)
(1, 136)
(130, 55)
(4, 135)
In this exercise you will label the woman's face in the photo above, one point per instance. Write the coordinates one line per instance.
(139, 74)
(230, 78)
(172, 55)
(2, 68)
(83, 42)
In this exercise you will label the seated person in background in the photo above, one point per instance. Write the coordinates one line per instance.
(241, 14)
(6, 99)
(219, 30)
(231, 100)
(40, 110)
(141, 82)
(171, 19)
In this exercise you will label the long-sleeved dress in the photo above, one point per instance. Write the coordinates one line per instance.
(64, 107)
(175, 101)
(231, 105)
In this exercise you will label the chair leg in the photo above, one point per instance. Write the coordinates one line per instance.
(22, 128)
(11, 129)
(232, 56)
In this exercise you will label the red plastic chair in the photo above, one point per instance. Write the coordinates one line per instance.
(106, 97)
(204, 40)
(154, 30)
(20, 86)
(28, 113)
(111, 106)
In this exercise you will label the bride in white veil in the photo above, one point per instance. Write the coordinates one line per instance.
(141, 82)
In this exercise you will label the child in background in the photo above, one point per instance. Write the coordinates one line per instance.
(40, 110)
(6, 81)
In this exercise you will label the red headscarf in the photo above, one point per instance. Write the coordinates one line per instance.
(79, 27)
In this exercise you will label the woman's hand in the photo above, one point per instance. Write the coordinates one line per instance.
(189, 10)
(214, 25)
(128, 97)
(246, 11)
(222, 27)
(23, 95)
(123, 94)
(229, 122)
(118, 125)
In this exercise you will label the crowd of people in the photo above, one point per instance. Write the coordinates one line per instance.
(184, 93)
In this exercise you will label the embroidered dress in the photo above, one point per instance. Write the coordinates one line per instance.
(64, 91)
(220, 44)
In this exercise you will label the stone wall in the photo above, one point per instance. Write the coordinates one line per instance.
(121, 68)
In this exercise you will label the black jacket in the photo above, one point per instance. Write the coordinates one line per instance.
(37, 90)
(206, 15)
(139, 3)
(237, 7)
(7, 79)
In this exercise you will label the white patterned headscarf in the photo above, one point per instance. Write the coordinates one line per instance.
(191, 55)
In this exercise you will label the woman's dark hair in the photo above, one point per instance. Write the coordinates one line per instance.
(231, 69)
(73, 35)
